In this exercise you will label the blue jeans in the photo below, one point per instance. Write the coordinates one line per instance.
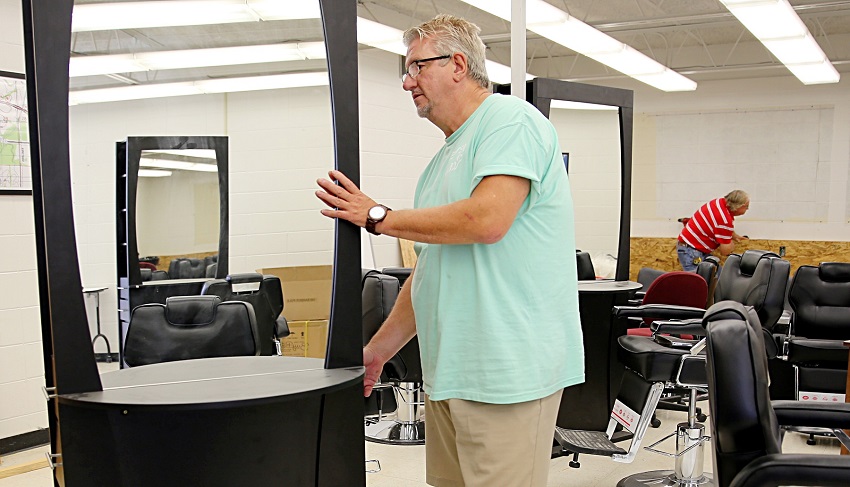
(688, 256)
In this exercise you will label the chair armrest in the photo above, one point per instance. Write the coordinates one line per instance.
(679, 327)
(795, 469)
(818, 415)
(810, 350)
(659, 311)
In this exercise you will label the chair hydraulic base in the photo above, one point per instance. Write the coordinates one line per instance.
(662, 478)
(394, 432)
(408, 427)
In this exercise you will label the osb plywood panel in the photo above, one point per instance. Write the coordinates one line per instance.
(408, 255)
(660, 253)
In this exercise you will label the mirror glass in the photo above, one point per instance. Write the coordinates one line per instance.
(590, 134)
(177, 210)
(255, 73)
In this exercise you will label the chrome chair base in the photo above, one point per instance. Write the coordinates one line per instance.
(663, 478)
(393, 432)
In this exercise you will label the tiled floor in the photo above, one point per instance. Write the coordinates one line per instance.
(403, 466)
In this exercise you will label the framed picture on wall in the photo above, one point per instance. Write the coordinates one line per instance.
(15, 167)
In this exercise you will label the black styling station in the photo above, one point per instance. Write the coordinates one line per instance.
(212, 422)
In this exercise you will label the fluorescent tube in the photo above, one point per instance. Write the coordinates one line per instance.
(776, 25)
(560, 27)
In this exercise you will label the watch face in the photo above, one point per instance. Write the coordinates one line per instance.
(377, 213)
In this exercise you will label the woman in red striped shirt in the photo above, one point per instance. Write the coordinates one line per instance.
(711, 228)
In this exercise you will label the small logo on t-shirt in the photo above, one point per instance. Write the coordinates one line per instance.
(454, 157)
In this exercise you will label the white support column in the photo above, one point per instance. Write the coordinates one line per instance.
(518, 56)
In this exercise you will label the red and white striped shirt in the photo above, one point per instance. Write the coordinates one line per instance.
(711, 226)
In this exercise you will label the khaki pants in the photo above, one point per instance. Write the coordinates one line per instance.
(471, 443)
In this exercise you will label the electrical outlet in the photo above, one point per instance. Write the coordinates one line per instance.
(782, 251)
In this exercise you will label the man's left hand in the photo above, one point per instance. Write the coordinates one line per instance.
(345, 199)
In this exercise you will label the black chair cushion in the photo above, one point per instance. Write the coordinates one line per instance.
(190, 327)
(821, 302)
(652, 361)
(758, 279)
(265, 295)
(585, 269)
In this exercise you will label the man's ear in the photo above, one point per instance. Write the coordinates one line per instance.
(461, 64)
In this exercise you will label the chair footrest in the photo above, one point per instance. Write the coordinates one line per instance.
(588, 442)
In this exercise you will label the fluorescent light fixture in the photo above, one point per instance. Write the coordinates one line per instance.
(199, 153)
(389, 39)
(137, 15)
(194, 58)
(177, 165)
(380, 36)
(224, 85)
(153, 173)
(783, 33)
(558, 26)
(577, 105)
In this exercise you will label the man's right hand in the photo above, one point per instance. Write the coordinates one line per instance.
(374, 366)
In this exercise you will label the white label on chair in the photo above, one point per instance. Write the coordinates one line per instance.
(820, 397)
(625, 415)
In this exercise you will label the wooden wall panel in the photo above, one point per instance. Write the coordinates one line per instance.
(660, 253)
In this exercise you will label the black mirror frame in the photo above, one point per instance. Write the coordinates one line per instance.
(69, 362)
(541, 91)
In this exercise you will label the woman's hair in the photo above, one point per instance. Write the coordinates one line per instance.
(449, 34)
(736, 199)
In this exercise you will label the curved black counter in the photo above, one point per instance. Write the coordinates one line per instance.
(588, 406)
(218, 422)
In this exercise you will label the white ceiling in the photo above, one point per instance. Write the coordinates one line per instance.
(697, 38)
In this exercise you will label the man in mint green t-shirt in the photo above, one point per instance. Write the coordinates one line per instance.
(493, 298)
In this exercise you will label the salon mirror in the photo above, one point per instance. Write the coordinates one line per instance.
(594, 125)
(261, 84)
(177, 210)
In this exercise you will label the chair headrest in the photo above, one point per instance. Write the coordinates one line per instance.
(834, 271)
(245, 277)
(725, 310)
(751, 258)
(191, 310)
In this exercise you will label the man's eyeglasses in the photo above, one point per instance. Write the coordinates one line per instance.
(414, 68)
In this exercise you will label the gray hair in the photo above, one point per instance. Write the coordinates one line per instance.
(451, 34)
(736, 199)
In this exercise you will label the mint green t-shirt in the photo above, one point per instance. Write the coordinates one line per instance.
(499, 323)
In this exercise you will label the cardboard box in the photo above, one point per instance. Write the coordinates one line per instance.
(306, 339)
(306, 291)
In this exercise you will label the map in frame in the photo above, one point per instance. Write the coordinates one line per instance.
(15, 165)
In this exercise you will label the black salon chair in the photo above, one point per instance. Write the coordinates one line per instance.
(708, 269)
(149, 275)
(186, 268)
(266, 297)
(756, 279)
(820, 301)
(190, 327)
(585, 269)
(746, 424)
(403, 372)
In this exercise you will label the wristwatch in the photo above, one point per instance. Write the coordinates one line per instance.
(375, 215)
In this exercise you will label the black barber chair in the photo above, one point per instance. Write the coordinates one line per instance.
(402, 373)
(584, 268)
(149, 275)
(757, 279)
(820, 300)
(266, 297)
(708, 270)
(190, 327)
(746, 424)
(186, 268)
